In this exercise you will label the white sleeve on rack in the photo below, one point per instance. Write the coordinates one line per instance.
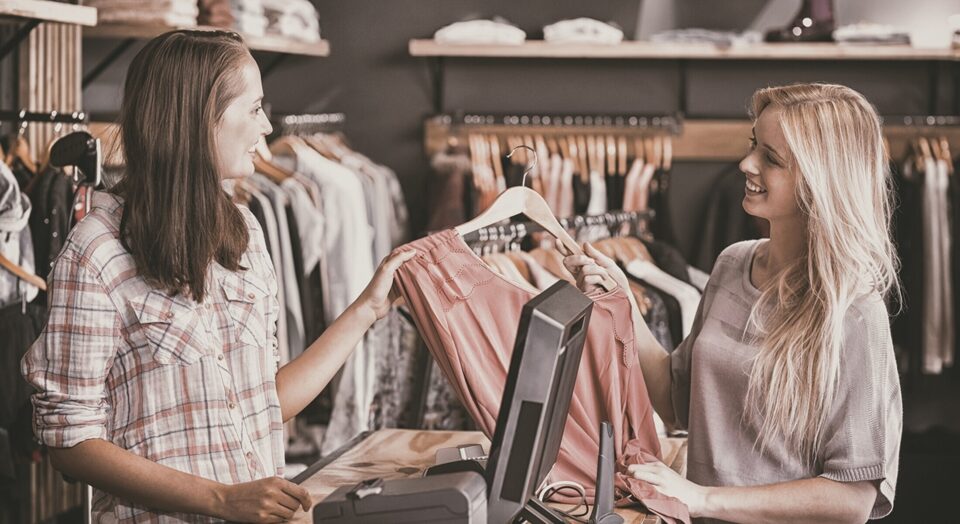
(698, 278)
(686, 295)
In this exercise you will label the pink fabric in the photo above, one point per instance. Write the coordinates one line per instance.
(468, 317)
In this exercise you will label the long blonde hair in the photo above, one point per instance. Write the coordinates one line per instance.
(843, 191)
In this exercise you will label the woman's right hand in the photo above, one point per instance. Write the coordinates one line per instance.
(592, 268)
(271, 499)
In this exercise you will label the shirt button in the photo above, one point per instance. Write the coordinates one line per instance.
(250, 455)
(168, 315)
(251, 296)
(231, 405)
(220, 357)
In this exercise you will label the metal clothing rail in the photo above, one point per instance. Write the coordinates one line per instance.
(926, 120)
(670, 123)
(520, 230)
(311, 122)
(74, 117)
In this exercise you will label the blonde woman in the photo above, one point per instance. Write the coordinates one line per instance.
(787, 383)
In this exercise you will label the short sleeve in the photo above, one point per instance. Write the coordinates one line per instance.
(680, 362)
(863, 436)
(69, 363)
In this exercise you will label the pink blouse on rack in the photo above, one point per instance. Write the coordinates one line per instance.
(468, 316)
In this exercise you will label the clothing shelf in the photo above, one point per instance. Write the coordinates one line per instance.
(658, 51)
(49, 12)
(272, 44)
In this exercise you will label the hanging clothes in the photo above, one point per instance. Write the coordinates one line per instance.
(16, 243)
(908, 230)
(687, 296)
(286, 271)
(51, 195)
(468, 315)
(349, 267)
(272, 237)
(938, 329)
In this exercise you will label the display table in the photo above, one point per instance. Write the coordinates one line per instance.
(401, 453)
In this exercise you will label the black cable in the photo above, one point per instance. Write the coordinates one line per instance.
(570, 513)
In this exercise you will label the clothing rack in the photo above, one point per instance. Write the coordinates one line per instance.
(931, 121)
(667, 123)
(900, 131)
(442, 130)
(311, 123)
(23, 116)
(519, 230)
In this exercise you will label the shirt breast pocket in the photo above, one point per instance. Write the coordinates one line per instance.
(172, 327)
(247, 305)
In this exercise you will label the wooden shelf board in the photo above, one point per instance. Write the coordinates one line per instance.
(274, 44)
(650, 50)
(49, 12)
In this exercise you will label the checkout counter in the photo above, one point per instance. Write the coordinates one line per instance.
(402, 453)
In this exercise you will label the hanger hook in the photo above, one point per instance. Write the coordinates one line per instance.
(530, 167)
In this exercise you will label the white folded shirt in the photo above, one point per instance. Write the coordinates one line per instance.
(480, 32)
(582, 31)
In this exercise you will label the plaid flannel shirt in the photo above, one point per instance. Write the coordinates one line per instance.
(187, 385)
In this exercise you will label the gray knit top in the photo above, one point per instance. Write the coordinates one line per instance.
(710, 373)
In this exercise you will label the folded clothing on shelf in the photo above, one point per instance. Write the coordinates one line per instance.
(165, 12)
(497, 31)
(292, 18)
(582, 31)
(870, 33)
(708, 36)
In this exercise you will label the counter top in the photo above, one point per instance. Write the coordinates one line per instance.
(402, 453)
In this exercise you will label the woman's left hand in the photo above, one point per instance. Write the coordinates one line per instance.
(670, 483)
(379, 294)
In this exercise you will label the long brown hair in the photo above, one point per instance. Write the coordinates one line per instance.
(176, 217)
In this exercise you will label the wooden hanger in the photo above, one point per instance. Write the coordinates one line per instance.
(667, 152)
(947, 155)
(522, 200)
(935, 148)
(611, 155)
(322, 147)
(552, 145)
(263, 162)
(658, 151)
(22, 273)
(494, 144)
(622, 168)
(512, 142)
(592, 154)
(584, 161)
(925, 149)
(917, 153)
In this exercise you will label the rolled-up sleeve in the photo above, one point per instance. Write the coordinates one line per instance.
(69, 363)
